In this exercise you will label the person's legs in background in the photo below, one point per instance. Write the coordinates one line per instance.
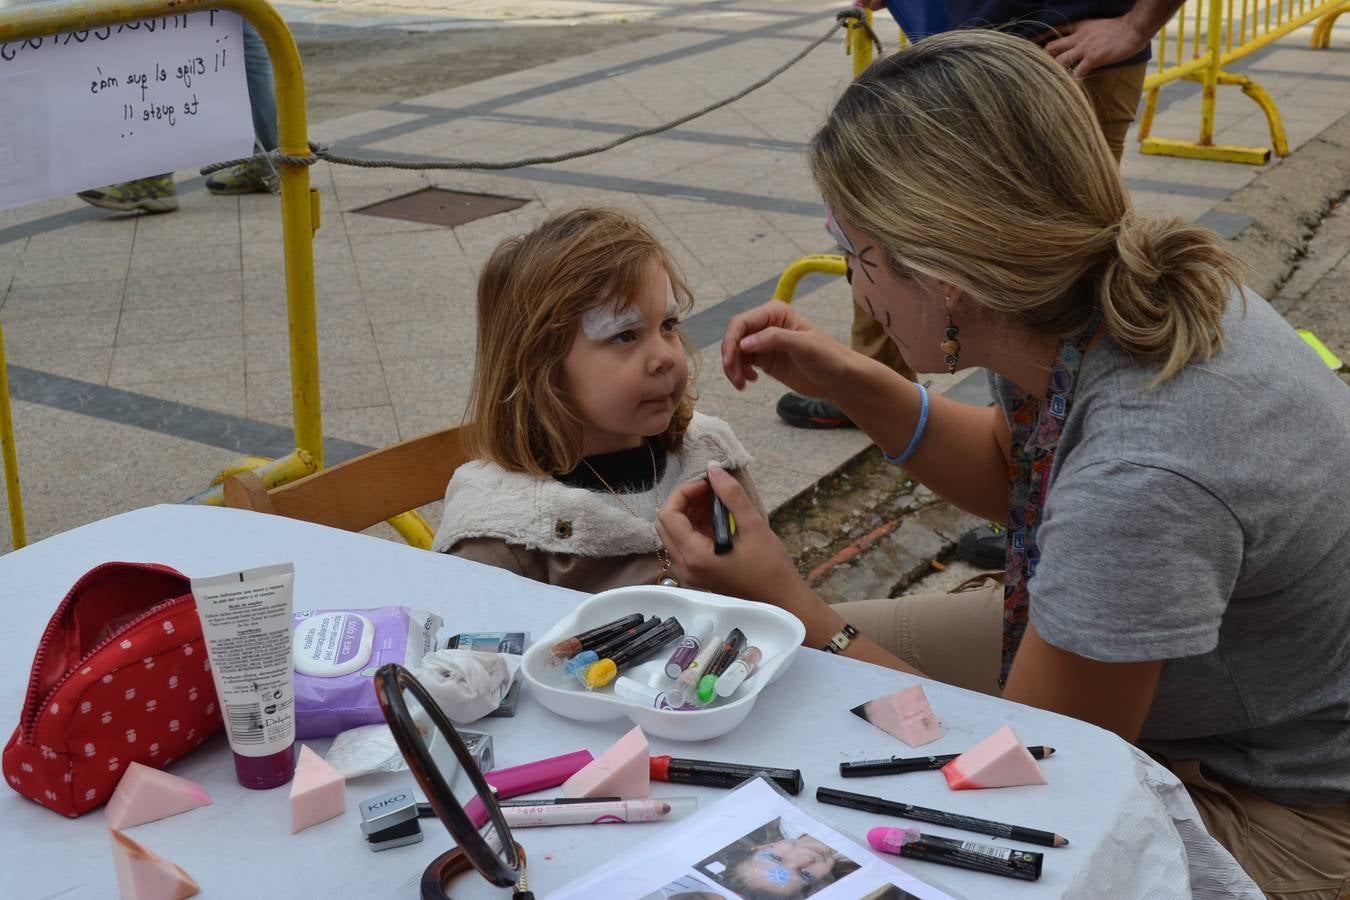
(155, 194)
(1114, 95)
(258, 176)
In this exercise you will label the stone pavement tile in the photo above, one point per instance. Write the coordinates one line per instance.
(1153, 204)
(89, 364)
(176, 359)
(200, 217)
(334, 130)
(428, 395)
(343, 387)
(338, 346)
(221, 391)
(103, 236)
(373, 426)
(64, 484)
(178, 290)
(40, 334)
(1297, 56)
(187, 256)
(1200, 172)
(171, 323)
(389, 287)
(62, 300)
(39, 271)
(429, 340)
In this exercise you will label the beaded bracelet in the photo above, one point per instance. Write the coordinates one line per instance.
(918, 431)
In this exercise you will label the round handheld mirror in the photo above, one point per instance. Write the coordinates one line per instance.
(463, 800)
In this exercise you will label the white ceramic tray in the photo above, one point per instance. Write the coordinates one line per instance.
(777, 633)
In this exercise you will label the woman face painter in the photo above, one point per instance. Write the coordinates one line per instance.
(1167, 454)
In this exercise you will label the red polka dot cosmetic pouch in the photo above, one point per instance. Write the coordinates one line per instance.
(120, 676)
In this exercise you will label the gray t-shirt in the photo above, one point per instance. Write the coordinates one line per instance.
(1206, 522)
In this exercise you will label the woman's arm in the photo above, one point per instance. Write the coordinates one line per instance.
(963, 453)
(962, 456)
(758, 566)
(1112, 695)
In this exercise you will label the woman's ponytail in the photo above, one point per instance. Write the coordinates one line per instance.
(1164, 291)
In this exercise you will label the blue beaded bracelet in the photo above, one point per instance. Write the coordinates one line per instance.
(918, 430)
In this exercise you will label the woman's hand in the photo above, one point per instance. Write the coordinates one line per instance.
(780, 341)
(758, 566)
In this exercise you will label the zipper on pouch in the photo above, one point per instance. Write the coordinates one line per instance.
(40, 658)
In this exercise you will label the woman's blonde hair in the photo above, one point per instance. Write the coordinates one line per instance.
(976, 160)
(532, 294)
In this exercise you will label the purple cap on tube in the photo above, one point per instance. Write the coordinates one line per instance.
(261, 773)
(688, 647)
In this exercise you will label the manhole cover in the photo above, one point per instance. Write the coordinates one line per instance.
(437, 206)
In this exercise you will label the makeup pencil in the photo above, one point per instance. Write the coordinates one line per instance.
(603, 672)
(939, 817)
(578, 664)
(1006, 861)
(570, 647)
(897, 765)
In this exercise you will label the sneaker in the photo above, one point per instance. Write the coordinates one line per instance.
(808, 412)
(153, 195)
(984, 546)
(244, 178)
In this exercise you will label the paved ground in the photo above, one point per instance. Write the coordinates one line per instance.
(148, 352)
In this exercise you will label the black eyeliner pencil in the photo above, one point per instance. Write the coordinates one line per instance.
(897, 765)
(939, 817)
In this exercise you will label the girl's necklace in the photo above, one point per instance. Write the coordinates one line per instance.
(662, 557)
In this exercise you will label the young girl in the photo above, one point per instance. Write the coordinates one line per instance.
(581, 414)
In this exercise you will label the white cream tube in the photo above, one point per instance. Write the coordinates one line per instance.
(246, 621)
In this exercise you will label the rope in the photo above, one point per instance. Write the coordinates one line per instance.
(321, 152)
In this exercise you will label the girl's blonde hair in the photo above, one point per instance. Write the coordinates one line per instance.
(532, 294)
(975, 159)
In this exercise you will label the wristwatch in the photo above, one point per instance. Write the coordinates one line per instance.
(842, 638)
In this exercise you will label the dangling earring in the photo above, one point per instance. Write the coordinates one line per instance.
(951, 347)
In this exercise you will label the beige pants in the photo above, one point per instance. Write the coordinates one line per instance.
(1291, 853)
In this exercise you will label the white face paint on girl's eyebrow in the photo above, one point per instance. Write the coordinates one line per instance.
(604, 322)
(672, 307)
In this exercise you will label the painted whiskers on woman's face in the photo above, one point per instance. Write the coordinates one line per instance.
(910, 313)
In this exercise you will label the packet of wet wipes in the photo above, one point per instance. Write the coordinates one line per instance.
(336, 653)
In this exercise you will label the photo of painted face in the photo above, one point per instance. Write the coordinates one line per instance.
(774, 861)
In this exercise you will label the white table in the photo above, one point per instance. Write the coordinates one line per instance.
(1125, 817)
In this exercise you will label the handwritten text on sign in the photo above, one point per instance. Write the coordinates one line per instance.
(110, 104)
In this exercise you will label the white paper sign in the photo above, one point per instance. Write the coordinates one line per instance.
(111, 104)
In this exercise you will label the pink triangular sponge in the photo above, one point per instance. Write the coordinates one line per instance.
(905, 715)
(142, 875)
(999, 760)
(145, 794)
(624, 771)
(318, 791)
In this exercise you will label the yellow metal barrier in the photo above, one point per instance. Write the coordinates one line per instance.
(299, 210)
(10, 454)
(1227, 30)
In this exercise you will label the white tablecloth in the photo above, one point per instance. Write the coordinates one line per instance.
(1133, 832)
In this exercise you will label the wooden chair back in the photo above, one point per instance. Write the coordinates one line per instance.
(361, 492)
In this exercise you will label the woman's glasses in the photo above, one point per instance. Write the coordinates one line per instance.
(448, 775)
(837, 233)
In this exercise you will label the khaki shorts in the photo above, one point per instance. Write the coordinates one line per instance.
(1291, 853)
